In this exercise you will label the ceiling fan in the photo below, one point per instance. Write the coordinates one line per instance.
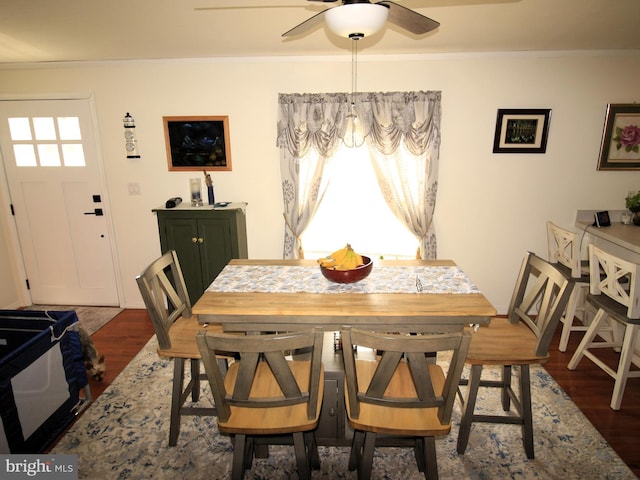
(359, 18)
(351, 18)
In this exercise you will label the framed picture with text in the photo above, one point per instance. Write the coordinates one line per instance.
(620, 147)
(521, 131)
(197, 143)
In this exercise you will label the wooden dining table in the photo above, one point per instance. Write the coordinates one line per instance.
(277, 295)
(256, 296)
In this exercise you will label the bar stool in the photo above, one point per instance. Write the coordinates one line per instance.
(564, 253)
(615, 294)
(519, 341)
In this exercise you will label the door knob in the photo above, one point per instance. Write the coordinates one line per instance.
(96, 211)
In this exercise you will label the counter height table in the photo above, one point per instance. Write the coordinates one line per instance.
(624, 236)
(276, 295)
(280, 295)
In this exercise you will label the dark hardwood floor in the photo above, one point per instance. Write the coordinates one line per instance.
(588, 386)
(119, 341)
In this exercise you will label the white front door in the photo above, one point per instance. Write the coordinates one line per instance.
(52, 166)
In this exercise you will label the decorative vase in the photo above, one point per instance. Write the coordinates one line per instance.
(636, 218)
(196, 192)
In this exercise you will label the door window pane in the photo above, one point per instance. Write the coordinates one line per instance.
(49, 155)
(73, 155)
(25, 155)
(69, 128)
(20, 129)
(44, 128)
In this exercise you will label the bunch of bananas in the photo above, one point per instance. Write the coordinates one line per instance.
(344, 259)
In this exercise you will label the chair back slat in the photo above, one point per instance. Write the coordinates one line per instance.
(422, 377)
(616, 278)
(165, 295)
(265, 374)
(386, 368)
(429, 386)
(564, 248)
(246, 373)
(539, 299)
(285, 378)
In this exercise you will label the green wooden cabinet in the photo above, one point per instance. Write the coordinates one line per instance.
(204, 239)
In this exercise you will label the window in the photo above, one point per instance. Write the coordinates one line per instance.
(354, 211)
(47, 141)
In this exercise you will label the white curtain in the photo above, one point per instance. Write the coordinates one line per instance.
(404, 143)
(402, 131)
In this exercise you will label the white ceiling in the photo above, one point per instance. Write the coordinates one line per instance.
(75, 30)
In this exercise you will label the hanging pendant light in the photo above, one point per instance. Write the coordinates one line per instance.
(355, 132)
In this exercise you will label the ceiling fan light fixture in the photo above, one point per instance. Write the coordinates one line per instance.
(356, 19)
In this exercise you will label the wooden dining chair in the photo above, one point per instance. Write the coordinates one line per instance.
(616, 296)
(539, 299)
(404, 393)
(165, 296)
(565, 253)
(272, 391)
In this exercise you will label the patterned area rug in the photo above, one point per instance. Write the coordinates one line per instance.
(124, 435)
(90, 318)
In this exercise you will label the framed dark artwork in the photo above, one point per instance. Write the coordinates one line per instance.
(521, 131)
(197, 143)
(620, 148)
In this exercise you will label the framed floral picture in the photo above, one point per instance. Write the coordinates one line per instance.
(197, 143)
(620, 148)
(521, 131)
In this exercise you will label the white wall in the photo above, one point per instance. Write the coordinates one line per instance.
(491, 207)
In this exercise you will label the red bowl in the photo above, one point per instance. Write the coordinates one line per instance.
(348, 276)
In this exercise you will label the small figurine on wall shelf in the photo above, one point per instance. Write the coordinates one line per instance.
(209, 183)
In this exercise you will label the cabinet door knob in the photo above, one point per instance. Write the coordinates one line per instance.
(200, 239)
(194, 240)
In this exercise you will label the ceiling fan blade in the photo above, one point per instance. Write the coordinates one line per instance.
(409, 19)
(306, 26)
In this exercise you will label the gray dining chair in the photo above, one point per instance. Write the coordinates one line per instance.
(165, 295)
(273, 390)
(402, 396)
(539, 300)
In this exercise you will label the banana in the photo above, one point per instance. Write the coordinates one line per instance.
(344, 259)
(327, 262)
(340, 255)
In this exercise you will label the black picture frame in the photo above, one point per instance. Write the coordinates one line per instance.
(521, 130)
(620, 146)
(197, 143)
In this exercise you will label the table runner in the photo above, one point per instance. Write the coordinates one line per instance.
(309, 279)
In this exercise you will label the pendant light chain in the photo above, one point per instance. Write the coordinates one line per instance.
(354, 69)
(355, 135)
